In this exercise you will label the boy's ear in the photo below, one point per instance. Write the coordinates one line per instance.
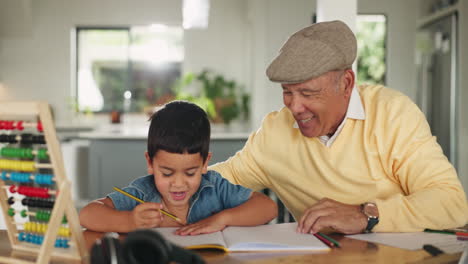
(205, 166)
(149, 163)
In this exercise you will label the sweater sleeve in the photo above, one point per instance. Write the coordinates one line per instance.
(432, 194)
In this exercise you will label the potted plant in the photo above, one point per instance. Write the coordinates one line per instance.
(222, 99)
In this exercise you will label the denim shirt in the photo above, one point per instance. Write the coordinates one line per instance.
(214, 195)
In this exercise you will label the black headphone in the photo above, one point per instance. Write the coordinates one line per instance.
(141, 246)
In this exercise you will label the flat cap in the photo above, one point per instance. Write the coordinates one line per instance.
(313, 51)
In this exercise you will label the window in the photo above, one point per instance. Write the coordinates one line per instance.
(126, 69)
(371, 36)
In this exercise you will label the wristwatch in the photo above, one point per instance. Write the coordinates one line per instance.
(371, 211)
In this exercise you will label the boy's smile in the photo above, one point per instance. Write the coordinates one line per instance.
(178, 196)
(177, 177)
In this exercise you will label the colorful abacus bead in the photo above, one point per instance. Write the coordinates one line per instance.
(22, 236)
(62, 243)
(45, 216)
(33, 202)
(35, 227)
(7, 125)
(38, 239)
(39, 127)
(8, 138)
(42, 154)
(20, 177)
(19, 125)
(64, 231)
(23, 138)
(27, 177)
(16, 176)
(11, 211)
(11, 200)
(17, 165)
(30, 191)
(24, 153)
(4, 175)
(42, 216)
(10, 125)
(43, 179)
(32, 139)
(42, 228)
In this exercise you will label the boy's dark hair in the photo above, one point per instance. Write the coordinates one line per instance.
(179, 127)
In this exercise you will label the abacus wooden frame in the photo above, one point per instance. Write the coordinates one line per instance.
(46, 250)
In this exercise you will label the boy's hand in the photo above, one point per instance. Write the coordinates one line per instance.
(211, 224)
(147, 215)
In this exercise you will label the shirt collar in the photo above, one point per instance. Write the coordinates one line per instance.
(204, 183)
(355, 108)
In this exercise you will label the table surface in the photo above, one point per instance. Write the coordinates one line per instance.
(351, 251)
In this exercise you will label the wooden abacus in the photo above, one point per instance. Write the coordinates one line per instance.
(23, 126)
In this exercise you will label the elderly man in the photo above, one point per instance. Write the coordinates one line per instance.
(351, 159)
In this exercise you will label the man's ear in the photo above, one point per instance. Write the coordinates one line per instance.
(149, 163)
(348, 79)
(205, 165)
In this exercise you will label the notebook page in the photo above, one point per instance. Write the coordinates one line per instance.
(414, 241)
(270, 238)
(185, 241)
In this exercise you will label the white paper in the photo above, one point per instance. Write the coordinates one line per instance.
(415, 241)
(185, 241)
(258, 238)
(270, 238)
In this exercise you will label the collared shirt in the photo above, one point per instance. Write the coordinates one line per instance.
(214, 195)
(355, 111)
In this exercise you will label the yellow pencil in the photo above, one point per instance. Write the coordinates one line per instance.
(141, 201)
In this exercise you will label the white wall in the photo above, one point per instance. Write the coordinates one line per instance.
(223, 45)
(273, 21)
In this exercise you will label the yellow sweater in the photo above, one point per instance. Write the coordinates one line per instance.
(390, 158)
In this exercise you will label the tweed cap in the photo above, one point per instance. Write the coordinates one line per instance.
(313, 51)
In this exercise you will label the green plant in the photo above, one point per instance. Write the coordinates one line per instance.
(371, 53)
(229, 113)
(219, 97)
(204, 102)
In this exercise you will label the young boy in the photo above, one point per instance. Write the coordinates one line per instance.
(179, 182)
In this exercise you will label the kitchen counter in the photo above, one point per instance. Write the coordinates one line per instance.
(126, 132)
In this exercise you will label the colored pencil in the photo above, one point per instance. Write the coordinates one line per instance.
(447, 232)
(330, 239)
(141, 201)
(324, 240)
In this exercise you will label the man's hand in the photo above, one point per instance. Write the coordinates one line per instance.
(147, 215)
(211, 224)
(344, 218)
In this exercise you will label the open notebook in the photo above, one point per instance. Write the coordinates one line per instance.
(276, 237)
